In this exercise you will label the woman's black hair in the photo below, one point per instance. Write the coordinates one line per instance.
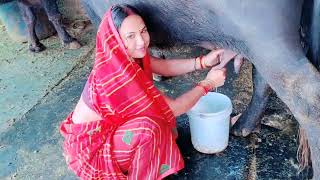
(120, 12)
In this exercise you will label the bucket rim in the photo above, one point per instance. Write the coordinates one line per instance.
(227, 110)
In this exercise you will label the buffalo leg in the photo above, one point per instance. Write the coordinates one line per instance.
(95, 19)
(30, 19)
(251, 118)
(54, 16)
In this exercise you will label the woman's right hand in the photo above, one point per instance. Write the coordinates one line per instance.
(218, 76)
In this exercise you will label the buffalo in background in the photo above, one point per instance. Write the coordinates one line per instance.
(29, 9)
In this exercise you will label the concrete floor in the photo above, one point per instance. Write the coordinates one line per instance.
(37, 91)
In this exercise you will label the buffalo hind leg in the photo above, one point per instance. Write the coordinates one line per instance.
(54, 16)
(30, 19)
(251, 118)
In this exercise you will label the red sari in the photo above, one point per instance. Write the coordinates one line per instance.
(134, 140)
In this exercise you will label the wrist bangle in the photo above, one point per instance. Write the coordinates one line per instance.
(204, 89)
(207, 84)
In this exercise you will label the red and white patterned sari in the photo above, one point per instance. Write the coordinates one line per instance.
(134, 139)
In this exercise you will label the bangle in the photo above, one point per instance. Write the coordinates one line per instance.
(206, 85)
(205, 91)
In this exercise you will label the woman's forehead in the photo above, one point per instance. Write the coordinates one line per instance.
(132, 23)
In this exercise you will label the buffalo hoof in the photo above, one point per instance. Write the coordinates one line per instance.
(36, 48)
(241, 129)
(72, 45)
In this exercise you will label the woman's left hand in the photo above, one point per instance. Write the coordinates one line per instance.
(218, 57)
(213, 57)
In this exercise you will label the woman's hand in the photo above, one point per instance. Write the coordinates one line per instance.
(217, 76)
(213, 57)
(225, 57)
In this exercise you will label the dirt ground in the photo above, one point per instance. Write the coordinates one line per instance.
(27, 77)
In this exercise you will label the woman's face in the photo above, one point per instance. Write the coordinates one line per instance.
(135, 36)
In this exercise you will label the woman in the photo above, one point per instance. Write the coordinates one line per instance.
(122, 126)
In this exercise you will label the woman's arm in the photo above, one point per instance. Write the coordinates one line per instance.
(186, 101)
(175, 67)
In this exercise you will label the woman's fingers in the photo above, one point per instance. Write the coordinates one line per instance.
(219, 66)
(218, 51)
(224, 69)
(225, 57)
(228, 55)
(211, 58)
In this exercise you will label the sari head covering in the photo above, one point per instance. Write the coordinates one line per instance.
(118, 90)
